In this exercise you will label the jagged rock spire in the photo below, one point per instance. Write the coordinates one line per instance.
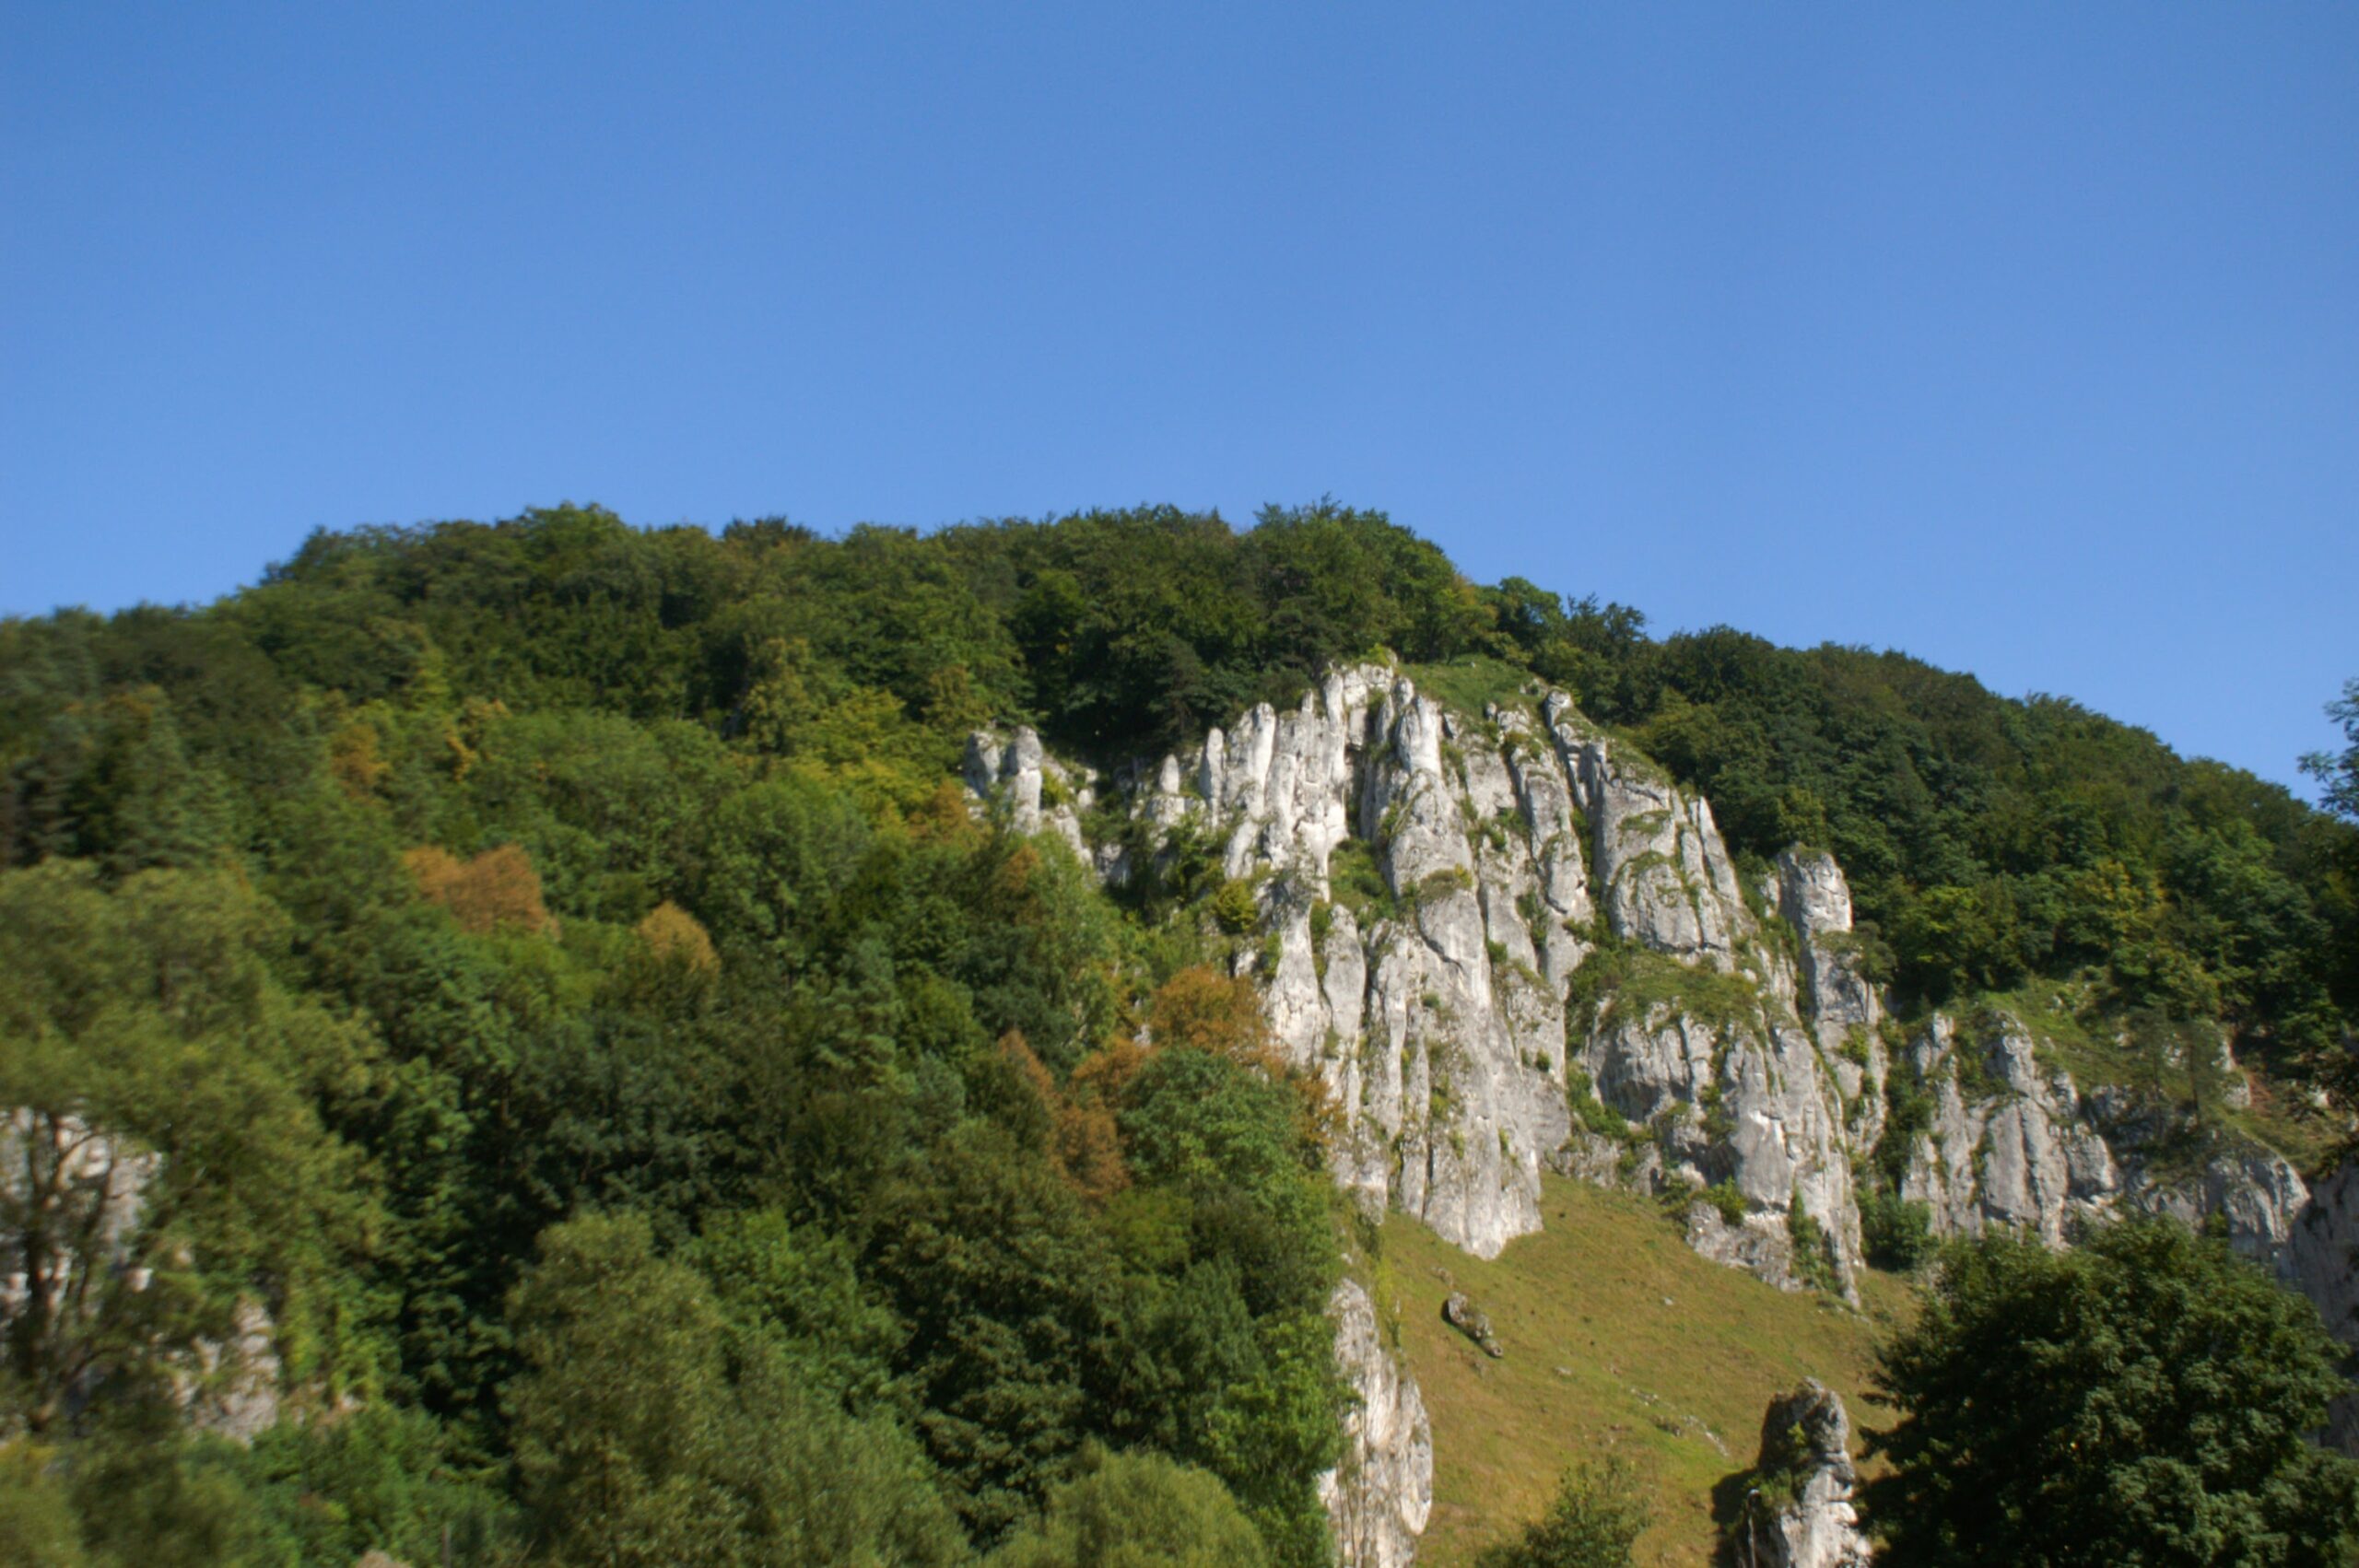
(1798, 1513)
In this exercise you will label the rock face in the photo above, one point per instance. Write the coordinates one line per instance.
(2009, 1143)
(2323, 1255)
(1428, 884)
(2012, 1143)
(1507, 943)
(1799, 1514)
(1786, 1071)
(85, 1191)
(1809, 891)
(1757, 1244)
(63, 1177)
(232, 1391)
(1037, 792)
(1378, 1498)
(1430, 1010)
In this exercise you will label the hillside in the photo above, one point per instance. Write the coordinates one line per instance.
(1618, 1339)
(933, 1021)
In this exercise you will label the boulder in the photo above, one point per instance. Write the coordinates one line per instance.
(1459, 1312)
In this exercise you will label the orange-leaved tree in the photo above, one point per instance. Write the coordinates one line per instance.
(498, 888)
(1200, 1009)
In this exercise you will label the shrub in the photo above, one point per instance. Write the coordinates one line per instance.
(1897, 1233)
(1814, 1249)
(1357, 882)
(1137, 1510)
(1444, 884)
(1593, 1522)
(1233, 907)
(1724, 1197)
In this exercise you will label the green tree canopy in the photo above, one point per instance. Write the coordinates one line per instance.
(649, 1433)
(2338, 772)
(1135, 1510)
(2145, 1398)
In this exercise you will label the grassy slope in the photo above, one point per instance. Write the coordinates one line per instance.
(1618, 1340)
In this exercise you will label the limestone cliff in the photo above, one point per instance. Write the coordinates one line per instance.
(1427, 885)
(1037, 792)
(2013, 1142)
(1430, 982)
(2324, 1254)
(1506, 943)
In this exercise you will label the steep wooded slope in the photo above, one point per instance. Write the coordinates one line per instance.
(489, 878)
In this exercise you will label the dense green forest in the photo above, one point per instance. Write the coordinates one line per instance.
(552, 945)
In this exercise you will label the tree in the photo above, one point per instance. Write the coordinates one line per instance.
(397, 1486)
(1004, 1292)
(167, 1164)
(1592, 1524)
(650, 1431)
(38, 1528)
(1137, 1510)
(1200, 1009)
(621, 1412)
(497, 889)
(2144, 1398)
(673, 936)
(2338, 775)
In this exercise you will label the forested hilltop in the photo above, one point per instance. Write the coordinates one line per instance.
(531, 1007)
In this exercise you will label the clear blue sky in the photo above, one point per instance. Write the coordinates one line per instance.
(2025, 338)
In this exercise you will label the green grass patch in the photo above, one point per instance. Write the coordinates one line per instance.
(1619, 983)
(1598, 1364)
(1446, 882)
(1466, 685)
(1591, 1112)
(1356, 882)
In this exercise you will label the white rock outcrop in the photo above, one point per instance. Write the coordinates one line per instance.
(1510, 847)
(1799, 1514)
(82, 1190)
(2012, 1143)
(1473, 926)
(1435, 1024)
(1379, 1497)
(1432, 888)
(1428, 884)
(2008, 1143)
(1016, 774)
(1809, 889)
